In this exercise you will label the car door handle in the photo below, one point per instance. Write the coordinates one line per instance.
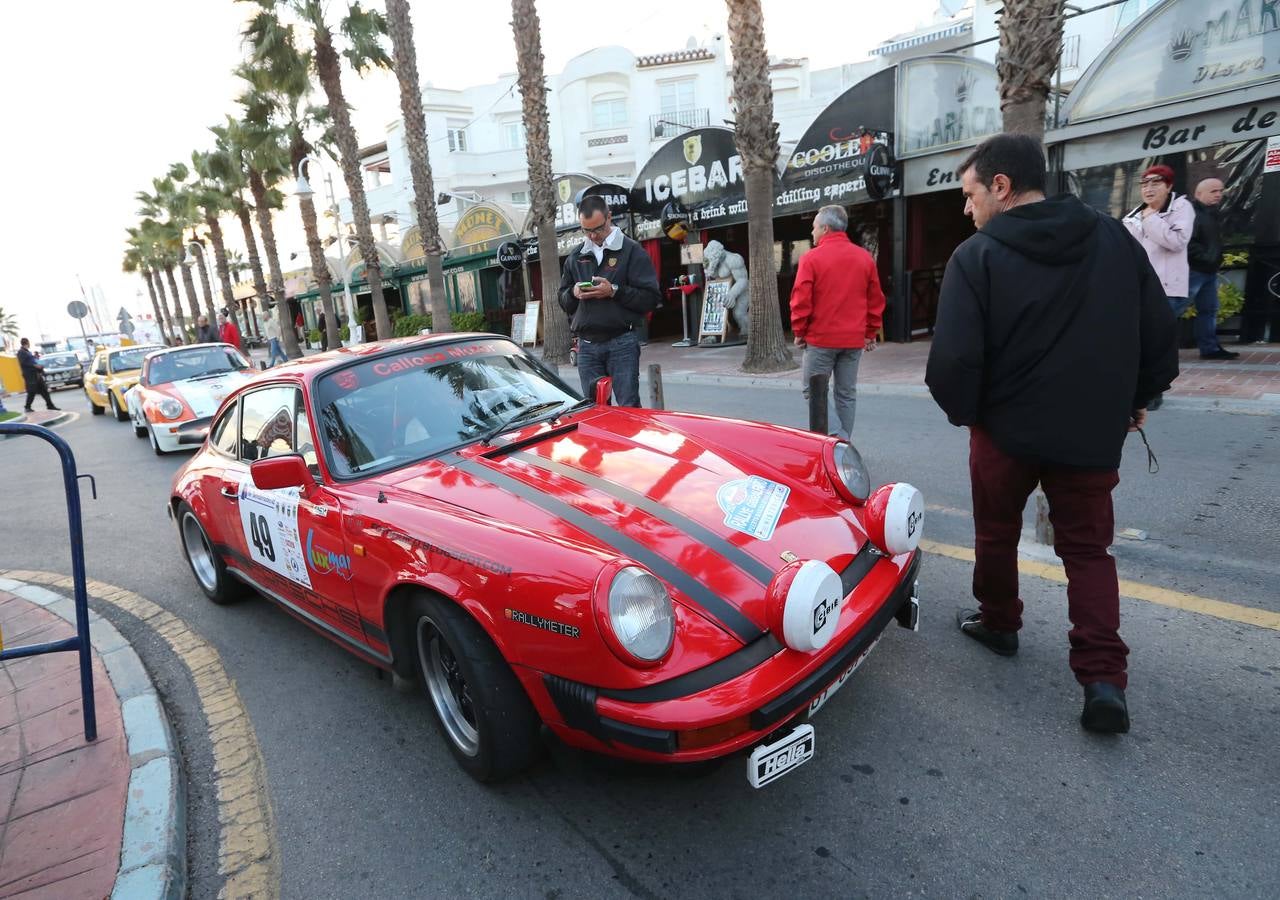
(230, 493)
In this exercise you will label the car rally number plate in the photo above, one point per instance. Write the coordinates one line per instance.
(270, 523)
(829, 691)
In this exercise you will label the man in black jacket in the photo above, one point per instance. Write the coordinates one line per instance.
(607, 287)
(1204, 255)
(1053, 332)
(33, 375)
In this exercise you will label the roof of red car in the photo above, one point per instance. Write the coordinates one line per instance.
(311, 366)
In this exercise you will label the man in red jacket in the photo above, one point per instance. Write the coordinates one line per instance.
(229, 333)
(836, 308)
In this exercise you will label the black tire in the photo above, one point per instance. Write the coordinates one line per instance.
(140, 430)
(486, 696)
(93, 407)
(120, 414)
(206, 565)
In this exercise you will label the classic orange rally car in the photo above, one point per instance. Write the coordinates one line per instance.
(180, 389)
(647, 584)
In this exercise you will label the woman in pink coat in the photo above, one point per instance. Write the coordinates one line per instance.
(1163, 225)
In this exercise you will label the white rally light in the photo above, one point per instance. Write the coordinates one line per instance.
(169, 408)
(812, 607)
(903, 519)
(641, 614)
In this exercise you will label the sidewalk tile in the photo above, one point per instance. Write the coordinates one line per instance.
(75, 773)
(54, 842)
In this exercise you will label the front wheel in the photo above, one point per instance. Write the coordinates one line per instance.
(93, 407)
(482, 710)
(208, 568)
(120, 414)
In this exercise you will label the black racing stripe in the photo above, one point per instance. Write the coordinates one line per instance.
(754, 568)
(740, 661)
(714, 605)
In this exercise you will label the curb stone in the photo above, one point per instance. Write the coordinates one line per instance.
(153, 858)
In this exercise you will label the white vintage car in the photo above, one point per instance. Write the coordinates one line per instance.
(180, 389)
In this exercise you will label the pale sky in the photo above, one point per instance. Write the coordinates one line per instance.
(99, 98)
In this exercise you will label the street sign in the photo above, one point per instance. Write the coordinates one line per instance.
(123, 315)
(77, 309)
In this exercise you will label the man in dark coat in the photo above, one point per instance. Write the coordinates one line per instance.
(33, 375)
(205, 333)
(1053, 332)
(606, 288)
(1204, 256)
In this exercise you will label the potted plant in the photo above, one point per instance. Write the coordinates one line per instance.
(313, 338)
(1230, 300)
(344, 335)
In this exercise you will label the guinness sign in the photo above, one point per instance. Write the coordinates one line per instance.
(510, 255)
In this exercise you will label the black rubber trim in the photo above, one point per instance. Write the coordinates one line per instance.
(754, 568)
(374, 632)
(513, 446)
(784, 705)
(653, 739)
(576, 703)
(721, 610)
(740, 661)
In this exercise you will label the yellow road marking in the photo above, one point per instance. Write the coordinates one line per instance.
(1134, 590)
(248, 855)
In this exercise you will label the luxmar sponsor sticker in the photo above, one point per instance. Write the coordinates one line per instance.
(753, 505)
(324, 561)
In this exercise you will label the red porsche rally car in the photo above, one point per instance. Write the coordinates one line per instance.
(651, 585)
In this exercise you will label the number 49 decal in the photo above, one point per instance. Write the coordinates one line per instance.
(260, 532)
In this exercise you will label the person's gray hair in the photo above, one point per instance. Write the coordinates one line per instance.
(834, 217)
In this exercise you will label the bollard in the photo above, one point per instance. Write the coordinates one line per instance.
(818, 404)
(1044, 528)
(655, 387)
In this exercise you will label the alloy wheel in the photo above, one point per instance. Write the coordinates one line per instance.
(199, 552)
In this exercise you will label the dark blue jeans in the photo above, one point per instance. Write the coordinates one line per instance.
(618, 358)
(1204, 294)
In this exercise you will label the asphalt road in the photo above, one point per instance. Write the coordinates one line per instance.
(940, 769)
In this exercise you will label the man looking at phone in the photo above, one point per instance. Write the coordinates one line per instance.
(607, 287)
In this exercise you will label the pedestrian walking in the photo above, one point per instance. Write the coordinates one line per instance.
(1204, 257)
(228, 332)
(1053, 332)
(836, 310)
(607, 287)
(271, 331)
(1163, 225)
(324, 334)
(205, 333)
(33, 375)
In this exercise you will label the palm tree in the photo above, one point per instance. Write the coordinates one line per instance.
(363, 30)
(277, 94)
(756, 136)
(186, 199)
(415, 139)
(1030, 45)
(162, 243)
(8, 324)
(213, 200)
(232, 175)
(528, 36)
(134, 262)
(169, 201)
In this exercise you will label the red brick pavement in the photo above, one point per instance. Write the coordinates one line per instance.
(62, 800)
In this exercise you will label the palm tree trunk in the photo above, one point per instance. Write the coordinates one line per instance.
(400, 26)
(224, 271)
(329, 69)
(528, 36)
(288, 337)
(180, 321)
(1030, 45)
(155, 305)
(206, 290)
(170, 330)
(320, 269)
(255, 266)
(189, 285)
(756, 137)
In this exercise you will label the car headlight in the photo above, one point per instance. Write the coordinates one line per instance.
(169, 408)
(640, 616)
(849, 473)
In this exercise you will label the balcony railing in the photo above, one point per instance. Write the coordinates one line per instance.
(668, 125)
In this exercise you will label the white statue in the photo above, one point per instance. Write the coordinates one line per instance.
(719, 263)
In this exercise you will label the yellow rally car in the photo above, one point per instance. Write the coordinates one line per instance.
(113, 372)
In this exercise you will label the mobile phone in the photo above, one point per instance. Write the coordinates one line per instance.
(586, 284)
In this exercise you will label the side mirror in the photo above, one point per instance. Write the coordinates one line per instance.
(262, 366)
(603, 390)
(280, 472)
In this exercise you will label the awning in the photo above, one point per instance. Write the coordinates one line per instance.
(919, 39)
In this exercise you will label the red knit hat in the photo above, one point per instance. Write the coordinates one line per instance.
(1164, 172)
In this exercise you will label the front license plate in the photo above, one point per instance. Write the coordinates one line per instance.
(769, 762)
(829, 691)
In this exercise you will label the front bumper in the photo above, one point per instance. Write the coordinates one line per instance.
(776, 685)
(168, 434)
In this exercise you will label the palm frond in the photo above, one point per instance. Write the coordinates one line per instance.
(364, 30)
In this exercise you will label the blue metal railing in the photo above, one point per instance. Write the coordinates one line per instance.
(79, 643)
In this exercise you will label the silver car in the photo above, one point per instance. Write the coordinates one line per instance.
(62, 369)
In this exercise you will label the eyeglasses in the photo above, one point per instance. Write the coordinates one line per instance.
(599, 229)
(1152, 179)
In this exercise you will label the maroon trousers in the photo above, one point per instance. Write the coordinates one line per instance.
(1083, 528)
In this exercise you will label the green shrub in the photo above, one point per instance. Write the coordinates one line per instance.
(408, 326)
(314, 336)
(1230, 302)
(468, 321)
(344, 333)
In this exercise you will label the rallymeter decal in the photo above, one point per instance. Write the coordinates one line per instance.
(550, 625)
(753, 505)
(270, 523)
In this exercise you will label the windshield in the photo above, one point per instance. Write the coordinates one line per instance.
(58, 360)
(198, 362)
(397, 409)
(128, 360)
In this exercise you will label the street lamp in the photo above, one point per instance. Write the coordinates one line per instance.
(302, 190)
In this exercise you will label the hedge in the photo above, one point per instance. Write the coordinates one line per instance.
(408, 326)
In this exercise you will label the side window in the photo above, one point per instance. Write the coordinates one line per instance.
(304, 442)
(222, 437)
(267, 422)
(100, 365)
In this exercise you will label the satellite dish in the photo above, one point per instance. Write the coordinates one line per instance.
(951, 7)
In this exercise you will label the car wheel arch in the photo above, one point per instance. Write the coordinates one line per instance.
(398, 622)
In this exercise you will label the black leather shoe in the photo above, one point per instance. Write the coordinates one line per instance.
(1105, 710)
(1220, 353)
(51, 407)
(1004, 643)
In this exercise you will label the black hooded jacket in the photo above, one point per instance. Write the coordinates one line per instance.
(1052, 329)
